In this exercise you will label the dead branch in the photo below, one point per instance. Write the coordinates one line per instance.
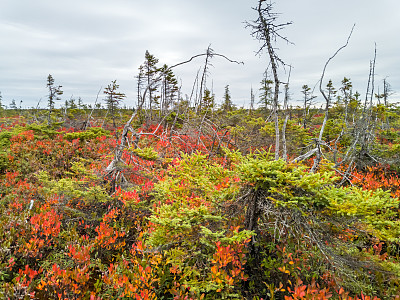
(91, 112)
(266, 30)
(112, 168)
(327, 100)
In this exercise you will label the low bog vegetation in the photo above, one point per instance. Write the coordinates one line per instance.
(195, 212)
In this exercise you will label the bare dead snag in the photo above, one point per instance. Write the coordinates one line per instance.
(305, 156)
(369, 126)
(318, 142)
(91, 112)
(209, 54)
(327, 104)
(266, 30)
(363, 131)
(112, 171)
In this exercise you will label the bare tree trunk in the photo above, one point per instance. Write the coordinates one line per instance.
(327, 104)
(91, 112)
(251, 101)
(204, 77)
(112, 169)
(272, 57)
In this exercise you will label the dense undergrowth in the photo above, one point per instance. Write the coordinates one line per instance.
(193, 213)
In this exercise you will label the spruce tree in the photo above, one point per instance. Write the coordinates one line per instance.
(113, 99)
(13, 105)
(72, 104)
(227, 104)
(307, 101)
(150, 73)
(207, 101)
(54, 92)
(346, 93)
(330, 89)
(266, 93)
(169, 88)
(140, 82)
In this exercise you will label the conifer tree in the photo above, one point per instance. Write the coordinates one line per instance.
(307, 101)
(113, 99)
(81, 105)
(354, 105)
(150, 72)
(72, 104)
(54, 92)
(140, 82)
(387, 91)
(13, 105)
(346, 94)
(346, 89)
(227, 104)
(169, 88)
(331, 91)
(266, 93)
(208, 101)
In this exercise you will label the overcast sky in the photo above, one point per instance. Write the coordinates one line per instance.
(87, 44)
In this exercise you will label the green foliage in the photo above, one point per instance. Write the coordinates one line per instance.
(266, 92)
(90, 134)
(188, 221)
(147, 153)
(292, 186)
(227, 104)
(312, 205)
(3, 161)
(376, 208)
(333, 128)
(288, 185)
(296, 134)
(5, 137)
(208, 101)
(5, 142)
(76, 187)
(42, 131)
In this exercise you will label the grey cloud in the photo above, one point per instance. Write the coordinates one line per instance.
(86, 44)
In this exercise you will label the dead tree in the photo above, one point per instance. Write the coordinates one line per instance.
(113, 170)
(209, 54)
(318, 141)
(251, 101)
(368, 127)
(363, 133)
(266, 31)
